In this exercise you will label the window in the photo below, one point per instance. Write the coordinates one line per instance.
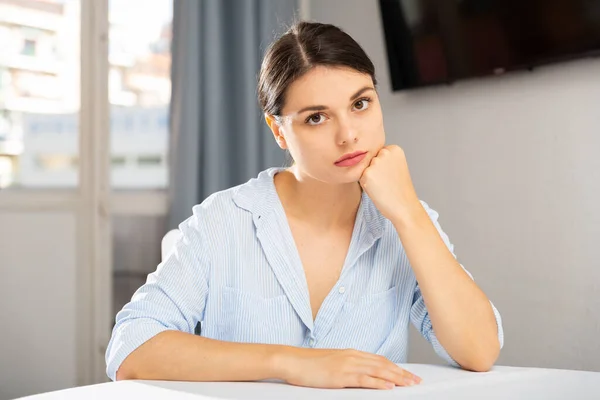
(140, 92)
(39, 93)
(28, 48)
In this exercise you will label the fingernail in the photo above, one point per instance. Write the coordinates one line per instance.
(409, 382)
(415, 380)
(390, 385)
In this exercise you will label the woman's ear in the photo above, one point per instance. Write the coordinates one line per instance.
(275, 127)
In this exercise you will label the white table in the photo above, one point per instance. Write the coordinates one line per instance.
(438, 383)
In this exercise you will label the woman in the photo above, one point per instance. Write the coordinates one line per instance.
(309, 274)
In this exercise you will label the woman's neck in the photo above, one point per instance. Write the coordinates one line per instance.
(323, 205)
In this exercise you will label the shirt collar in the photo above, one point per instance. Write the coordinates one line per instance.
(259, 197)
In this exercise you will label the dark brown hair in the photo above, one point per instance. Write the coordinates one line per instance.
(304, 46)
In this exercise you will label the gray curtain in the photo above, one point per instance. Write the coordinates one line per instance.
(218, 135)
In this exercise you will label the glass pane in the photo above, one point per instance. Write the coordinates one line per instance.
(39, 93)
(140, 92)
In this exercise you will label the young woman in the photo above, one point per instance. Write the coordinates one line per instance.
(309, 274)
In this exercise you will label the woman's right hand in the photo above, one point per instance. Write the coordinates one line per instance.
(330, 368)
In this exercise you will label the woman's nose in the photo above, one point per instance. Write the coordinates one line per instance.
(347, 134)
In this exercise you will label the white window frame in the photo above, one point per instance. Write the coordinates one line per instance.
(97, 186)
(94, 184)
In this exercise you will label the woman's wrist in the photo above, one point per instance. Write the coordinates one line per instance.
(281, 362)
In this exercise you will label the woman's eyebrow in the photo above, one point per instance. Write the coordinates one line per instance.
(322, 108)
(361, 91)
(312, 108)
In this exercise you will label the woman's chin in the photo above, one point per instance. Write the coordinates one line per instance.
(337, 175)
(350, 175)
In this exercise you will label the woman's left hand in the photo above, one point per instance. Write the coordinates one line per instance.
(387, 182)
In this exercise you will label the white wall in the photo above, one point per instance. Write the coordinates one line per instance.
(512, 164)
(37, 302)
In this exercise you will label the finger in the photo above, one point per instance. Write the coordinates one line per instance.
(400, 373)
(383, 151)
(370, 382)
(382, 362)
(409, 375)
(406, 374)
(386, 374)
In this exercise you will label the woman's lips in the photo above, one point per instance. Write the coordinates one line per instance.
(351, 159)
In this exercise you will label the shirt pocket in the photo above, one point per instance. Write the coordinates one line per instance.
(249, 318)
(366, 323)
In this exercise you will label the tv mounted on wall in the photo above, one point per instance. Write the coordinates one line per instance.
(433, 42)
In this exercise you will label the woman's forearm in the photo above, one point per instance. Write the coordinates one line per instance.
(174, 355)
(460, 313)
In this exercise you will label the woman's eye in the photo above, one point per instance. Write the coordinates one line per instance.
(362, 104)
(315, 119)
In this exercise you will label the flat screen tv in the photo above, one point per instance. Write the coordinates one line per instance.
(433, 42)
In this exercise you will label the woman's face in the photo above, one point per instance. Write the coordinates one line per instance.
(330, 114)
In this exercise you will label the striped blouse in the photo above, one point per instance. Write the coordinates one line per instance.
(237, 271)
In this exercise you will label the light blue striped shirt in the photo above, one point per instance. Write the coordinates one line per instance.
(236, 269)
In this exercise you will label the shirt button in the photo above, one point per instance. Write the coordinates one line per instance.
(311, 342)
(342, 290)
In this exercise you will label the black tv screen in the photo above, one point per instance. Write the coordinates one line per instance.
(431, 42)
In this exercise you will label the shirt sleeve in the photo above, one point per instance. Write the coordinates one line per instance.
(173, 297)
(420, 316)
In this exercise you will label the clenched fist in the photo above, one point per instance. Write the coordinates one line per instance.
(387, 182)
